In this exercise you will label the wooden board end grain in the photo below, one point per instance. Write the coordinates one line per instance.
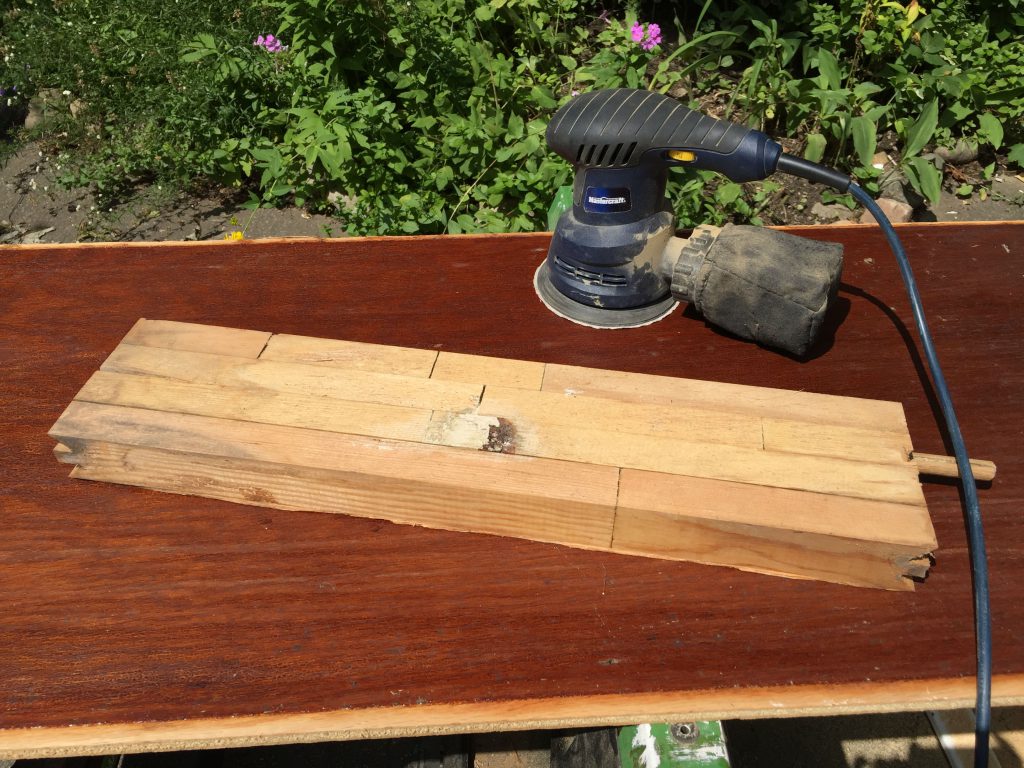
(789, 483)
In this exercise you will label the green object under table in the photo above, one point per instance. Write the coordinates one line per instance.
(677, 745)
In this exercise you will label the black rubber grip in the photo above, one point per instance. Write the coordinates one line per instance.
(615, 127)
(805, 169)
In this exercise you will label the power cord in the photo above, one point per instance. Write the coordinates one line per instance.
(972, 511)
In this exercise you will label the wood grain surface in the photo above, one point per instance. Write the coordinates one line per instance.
(138, 620)
(718, 485)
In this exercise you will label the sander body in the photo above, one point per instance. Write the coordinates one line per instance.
(615, 260)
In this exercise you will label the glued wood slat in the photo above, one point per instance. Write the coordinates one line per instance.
(783, 509)
(354, 355)
(536, 411)
(773, 530)
(309, 412)
(891, 482)
(193, 337)
(82, 423)
(495, 371)
(694, 424)
(293, 378)
(330, 426)
(515, 509)
(761, 401)
(751, 548)
(872, 445)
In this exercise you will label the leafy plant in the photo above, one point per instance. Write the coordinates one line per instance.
(865, 67)
(923, 175)
(430, 117)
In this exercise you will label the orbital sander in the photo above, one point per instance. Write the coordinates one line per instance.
(615, 260)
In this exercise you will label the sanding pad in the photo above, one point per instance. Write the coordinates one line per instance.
(596, 317)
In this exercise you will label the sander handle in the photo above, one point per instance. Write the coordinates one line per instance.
(623, 128)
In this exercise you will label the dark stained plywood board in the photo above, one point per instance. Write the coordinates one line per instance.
(123, 606)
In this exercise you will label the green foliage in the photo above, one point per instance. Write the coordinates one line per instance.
(430, 122)
(428, 116)
(864, 67)
(140, 113)
(426, 120)
(612, 60)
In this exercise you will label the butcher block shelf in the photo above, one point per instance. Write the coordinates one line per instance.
(789, 483)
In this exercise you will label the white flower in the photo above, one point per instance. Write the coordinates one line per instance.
(66, 93)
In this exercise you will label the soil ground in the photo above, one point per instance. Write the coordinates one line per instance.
(35, 208)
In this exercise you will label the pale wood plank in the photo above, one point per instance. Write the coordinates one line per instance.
(489, 716)
(158, 394)
(534, 412)
(739, 398)
(771, 551)
(781, 509)
(705, 425)
(463, 507)
(773, 530)
(706, 479)
(497, 371)
(896, 483)
(193, 337)
(82, 423)
(872, 445)
(352, 355)
(295, 378)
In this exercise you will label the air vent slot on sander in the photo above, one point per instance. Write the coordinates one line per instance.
(585, 154)
(601, 278)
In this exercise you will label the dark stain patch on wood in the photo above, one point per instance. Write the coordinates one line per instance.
(501, 438)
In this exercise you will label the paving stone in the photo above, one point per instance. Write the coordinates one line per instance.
(895, 210)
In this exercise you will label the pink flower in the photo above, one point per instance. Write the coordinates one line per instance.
(647, 40)
(270, 43)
